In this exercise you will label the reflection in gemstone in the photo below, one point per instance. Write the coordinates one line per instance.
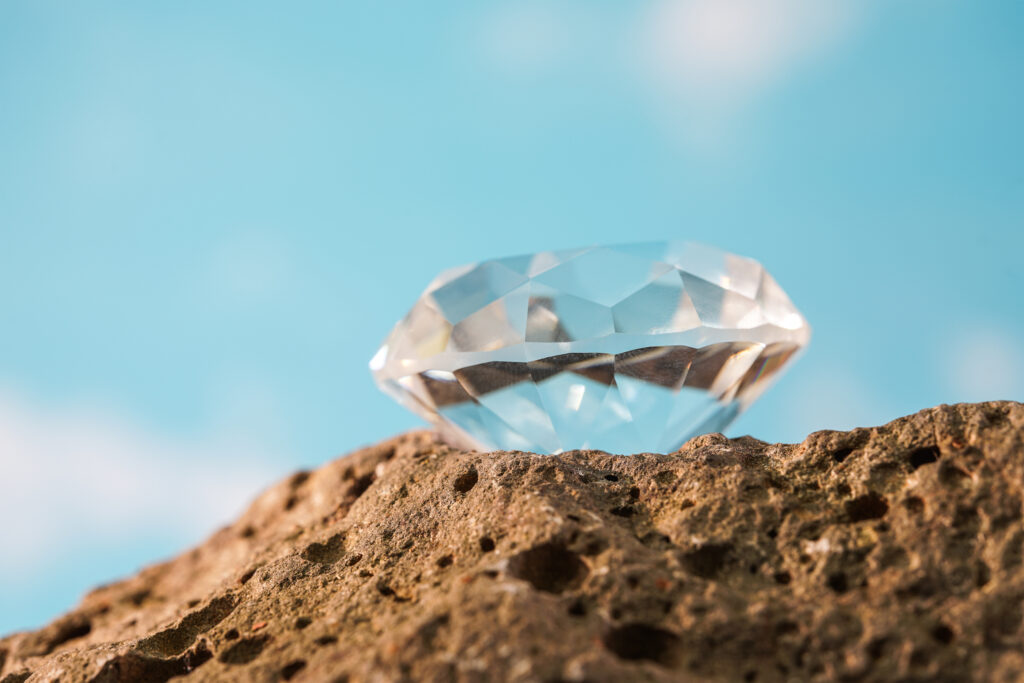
(646, 383)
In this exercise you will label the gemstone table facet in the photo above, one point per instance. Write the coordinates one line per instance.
(624, 349)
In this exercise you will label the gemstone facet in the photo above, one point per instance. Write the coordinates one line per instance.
(625, 349)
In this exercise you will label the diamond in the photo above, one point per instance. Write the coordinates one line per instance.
(625, 349)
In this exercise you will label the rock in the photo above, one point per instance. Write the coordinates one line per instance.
(892, 553)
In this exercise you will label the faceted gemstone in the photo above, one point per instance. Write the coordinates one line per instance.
(625, 349)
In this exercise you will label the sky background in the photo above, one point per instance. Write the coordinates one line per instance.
(212, 213)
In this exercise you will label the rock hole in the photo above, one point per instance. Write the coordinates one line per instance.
(176, 639)
(634, 493)
(869, 506)
(323, 641)
(292, 668)
(245, 650)
(786, 627)
(623, 511)
(231, 635)
(577, 608)
(982, 575)
(876, 648)
(292, 501)
(943, 634)
(610, 477)
(325, 552)
(195, 658)
(487, 544)
(432, 629)
(466, 481)
(783, 578)
(302, 622)
(353, 559)
(247, 531)
(914, 505)
(138, 597)
(71, 628)
(923, 456)
(953, 476)
(966, 521)
(642, 642)
(921, 588)
(549, 567)
(244, 578)
(686, 504)
(654, 539)
(389, 592)
(360, 485)
(750, 676)
(445, 561)
(595, 546)
(708, 560)
(298, 479)
(842, 454)
(996, 417)
(132, 667)
(837, 582)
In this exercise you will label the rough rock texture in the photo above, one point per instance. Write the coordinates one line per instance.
(892, 553)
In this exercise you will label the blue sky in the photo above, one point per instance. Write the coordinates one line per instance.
(210, 215)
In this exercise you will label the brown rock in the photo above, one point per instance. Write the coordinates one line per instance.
(892, 553)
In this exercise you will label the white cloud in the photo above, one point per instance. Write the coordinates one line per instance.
(719, 51)
(74, 476)
(982, 363)
(705, 62)
(701, 62)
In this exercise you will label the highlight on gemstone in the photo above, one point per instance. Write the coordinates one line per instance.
(626, 349)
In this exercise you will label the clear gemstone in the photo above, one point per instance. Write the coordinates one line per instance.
(625, 349)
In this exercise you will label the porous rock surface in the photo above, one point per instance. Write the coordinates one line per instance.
(890, 553)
